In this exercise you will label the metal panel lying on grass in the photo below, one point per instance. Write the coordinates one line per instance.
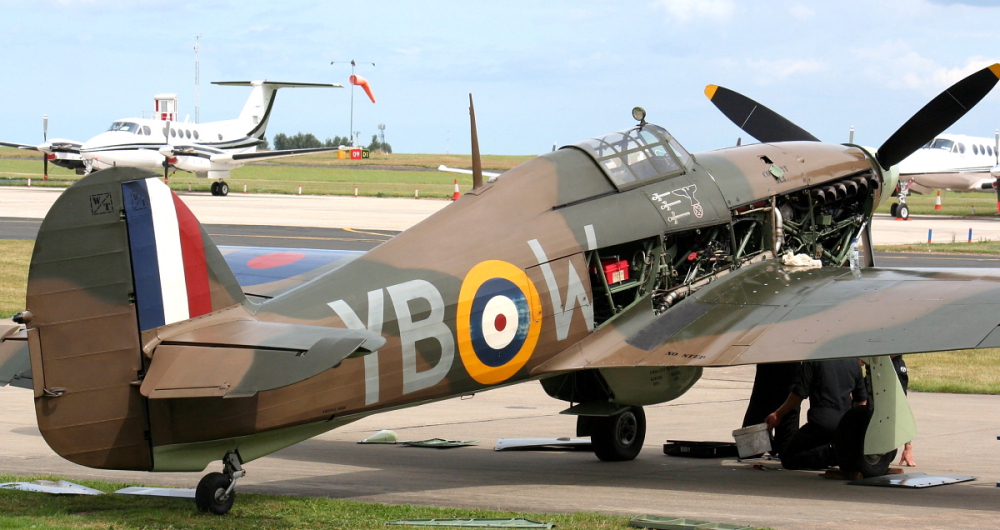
(474, 523)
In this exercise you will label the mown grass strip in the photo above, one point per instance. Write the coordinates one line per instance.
(15, 255)
(976, 247)
(253, 511)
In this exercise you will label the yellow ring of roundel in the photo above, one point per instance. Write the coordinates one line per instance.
(480, 274)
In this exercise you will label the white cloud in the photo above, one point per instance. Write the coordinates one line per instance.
(412, 50)
(685, 10)
(895, 65)
(769, 71)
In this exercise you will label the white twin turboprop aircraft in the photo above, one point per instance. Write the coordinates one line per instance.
(950, 162)
(209, 150)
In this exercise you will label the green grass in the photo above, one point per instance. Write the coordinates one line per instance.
(33, 510)
(958, 372)
(14, 258)
(952, 203)
(976, 247)
(396, 175)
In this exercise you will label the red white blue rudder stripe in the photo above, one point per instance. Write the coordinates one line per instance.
(169, 268)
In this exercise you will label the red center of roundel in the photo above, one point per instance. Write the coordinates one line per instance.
(500, 322)
(277, 259)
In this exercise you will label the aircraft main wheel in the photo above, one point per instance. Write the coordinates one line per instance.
(215, 188)
(223, 189)
(903, 211)
(618, 438)
(208, 496)
(893, 208)
(850, 446)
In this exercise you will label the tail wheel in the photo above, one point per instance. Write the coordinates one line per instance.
(620, 437)
(850, 446)
(211, 494)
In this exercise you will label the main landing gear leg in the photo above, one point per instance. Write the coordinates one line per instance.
(216, 491)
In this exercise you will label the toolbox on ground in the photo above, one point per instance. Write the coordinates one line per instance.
(699, 449)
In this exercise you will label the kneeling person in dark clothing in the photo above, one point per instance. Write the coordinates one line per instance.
(832, 388)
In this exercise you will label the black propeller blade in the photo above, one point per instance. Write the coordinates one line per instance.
(755, 119)
(938, 115)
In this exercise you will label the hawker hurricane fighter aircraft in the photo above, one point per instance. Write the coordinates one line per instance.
(614, 271)
(209, 150)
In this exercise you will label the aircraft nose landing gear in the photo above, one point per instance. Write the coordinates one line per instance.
(216, 491)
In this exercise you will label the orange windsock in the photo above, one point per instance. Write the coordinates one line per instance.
(363, 83)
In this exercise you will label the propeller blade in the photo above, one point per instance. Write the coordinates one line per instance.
(477, 163)
(45, 166)
(996, 147)
(45, 139)
(45, 127)
(938, 115)
(755, 119)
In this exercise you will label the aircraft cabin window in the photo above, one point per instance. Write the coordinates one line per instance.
(990, 149)
(941, 143)
(196, 135)
(975, 150)
(220, 137)
(982, 151)
(637, 155)
(173, 133)
(146, 130)
(961, 148)
(187, 134)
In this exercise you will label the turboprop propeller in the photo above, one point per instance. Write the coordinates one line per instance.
(940, 113)
(167, 150)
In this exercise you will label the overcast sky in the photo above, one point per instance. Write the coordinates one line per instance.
(542, 72)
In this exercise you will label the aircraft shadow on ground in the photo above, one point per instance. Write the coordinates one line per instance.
(400, 469)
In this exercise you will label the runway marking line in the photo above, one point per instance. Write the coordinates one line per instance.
(369, 233)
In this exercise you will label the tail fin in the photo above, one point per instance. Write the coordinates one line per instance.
(257, 110)
(118, 254)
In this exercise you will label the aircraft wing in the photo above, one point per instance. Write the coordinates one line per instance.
(447, 169)
(265, 272)
(769, 313)
(26, 147)
(266, 155)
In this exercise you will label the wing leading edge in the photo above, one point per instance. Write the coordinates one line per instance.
(770, 313)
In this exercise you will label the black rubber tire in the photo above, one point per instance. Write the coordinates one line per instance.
(210, 488)
(893, 208)
(215, 188)
(223, 189)
(620, 437)
(903, 211)
(850, 446)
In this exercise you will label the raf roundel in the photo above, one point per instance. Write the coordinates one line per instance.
(499, 318)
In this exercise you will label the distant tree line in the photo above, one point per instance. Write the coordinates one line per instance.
(309, 140)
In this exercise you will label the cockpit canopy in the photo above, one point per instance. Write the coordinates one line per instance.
(129, 127)
(124, 126)
(637, 156)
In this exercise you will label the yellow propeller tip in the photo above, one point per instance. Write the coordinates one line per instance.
(995, 68)
(710, 90)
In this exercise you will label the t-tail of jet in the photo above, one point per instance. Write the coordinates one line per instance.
(257, 110)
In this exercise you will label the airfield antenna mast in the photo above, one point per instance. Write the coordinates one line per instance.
(197, 80)
(353, 64)
(381, 132)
